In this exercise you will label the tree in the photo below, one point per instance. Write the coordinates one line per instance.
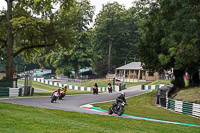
(115, 37)
(18, 22)
(107, 26)
(80, 52)
(169, 36)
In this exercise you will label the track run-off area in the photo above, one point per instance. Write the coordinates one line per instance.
(82, 103)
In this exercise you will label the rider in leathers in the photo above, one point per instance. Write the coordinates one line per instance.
(121, 98)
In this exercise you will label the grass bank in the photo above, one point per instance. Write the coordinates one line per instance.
(18, 119)
(189, 95)
(52, 88)
(90, 83)
(157, 82)
(143, 106)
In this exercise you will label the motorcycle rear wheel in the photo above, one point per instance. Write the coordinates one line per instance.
(121, 111)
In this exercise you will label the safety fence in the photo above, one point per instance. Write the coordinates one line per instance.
(10, 92)
(174, 105)
(54, 83)
(184, 107)
(152, 87)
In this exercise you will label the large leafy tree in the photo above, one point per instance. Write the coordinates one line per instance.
(80, 53)
(170, 37)
(115, 37)
(26, 32)
(108, 25)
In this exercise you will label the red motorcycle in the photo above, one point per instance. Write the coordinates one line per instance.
(109, 88)
(54, 96)
(95, 90)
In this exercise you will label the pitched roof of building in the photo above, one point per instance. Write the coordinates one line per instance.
(132, 65)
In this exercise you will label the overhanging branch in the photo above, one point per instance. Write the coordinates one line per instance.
(30, 47)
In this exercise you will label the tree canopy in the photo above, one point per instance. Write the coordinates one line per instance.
(169, 36)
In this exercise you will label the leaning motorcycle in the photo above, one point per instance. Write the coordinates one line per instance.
(62, 94)
(54, 96)
(117, 108)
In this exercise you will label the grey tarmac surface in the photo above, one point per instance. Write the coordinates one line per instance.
(73, 102)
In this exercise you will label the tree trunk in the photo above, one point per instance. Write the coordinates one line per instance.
(9, 60)
(76, 72)
(194, 78)
(109, 54)
(179, 79)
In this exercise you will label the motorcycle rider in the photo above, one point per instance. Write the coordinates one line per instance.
(56, 91)
(121, 98)
(95, 88)
(109, 87)
(64, 89)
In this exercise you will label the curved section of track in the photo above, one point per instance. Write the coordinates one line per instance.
(70, 102)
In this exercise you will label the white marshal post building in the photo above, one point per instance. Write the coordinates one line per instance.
(134, 72)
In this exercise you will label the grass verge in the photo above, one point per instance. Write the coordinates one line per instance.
(18, 119)
(52, 88)
(143, 106)
(157, 82)
(189, 95)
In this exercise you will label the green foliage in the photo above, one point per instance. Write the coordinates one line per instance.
(115, 37)
(33, 25)
(79, 53)
(168, 34)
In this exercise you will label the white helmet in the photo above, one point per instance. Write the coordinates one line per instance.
(123, 93)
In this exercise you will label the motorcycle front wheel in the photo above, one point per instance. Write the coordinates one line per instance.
(53, 98)
(110, 112)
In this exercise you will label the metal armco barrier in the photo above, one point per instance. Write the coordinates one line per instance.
(184, 107)
(10, 92)
(152, 87)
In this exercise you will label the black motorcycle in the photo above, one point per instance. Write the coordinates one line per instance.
(117, 108)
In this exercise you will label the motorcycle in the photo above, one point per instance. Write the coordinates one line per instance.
(109, 88)
(95, 90)
(62, 94)
(117, 108)
(54, 96)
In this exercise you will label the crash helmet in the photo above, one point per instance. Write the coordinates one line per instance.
(123, 94)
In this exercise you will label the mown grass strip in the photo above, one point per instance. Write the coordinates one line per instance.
(52, 88)
(18, 119)
(149, 119)
(189, 95)
(142, 106)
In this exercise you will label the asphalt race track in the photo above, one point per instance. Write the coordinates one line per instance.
(72, 102)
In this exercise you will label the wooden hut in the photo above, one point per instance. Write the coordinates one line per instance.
(134, 72)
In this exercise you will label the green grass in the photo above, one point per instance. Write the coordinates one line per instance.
(104, 83)
(189, 95)
(143, 106)
(100, 82)
(129, 84)
(157, 82)
(52, 88)
(18, 119)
